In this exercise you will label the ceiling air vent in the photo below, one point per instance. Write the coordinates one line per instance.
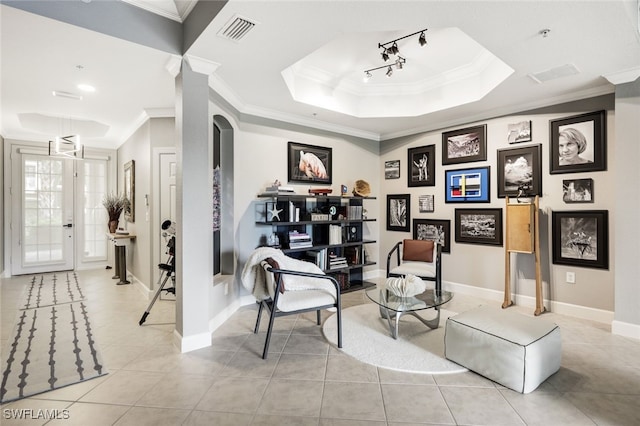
(553, 73)
(236, 28)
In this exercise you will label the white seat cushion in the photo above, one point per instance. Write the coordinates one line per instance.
(293, 300)
(419, 269)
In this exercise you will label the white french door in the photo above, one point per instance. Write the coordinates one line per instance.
(42, 198)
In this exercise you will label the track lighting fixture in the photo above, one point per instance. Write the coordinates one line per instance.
(391, 48)
(399, 64)
(385, 55)
(389, 71)
(367, 76)
(422, 39)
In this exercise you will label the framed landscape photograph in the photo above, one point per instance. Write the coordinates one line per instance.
(435, 230)
(578, 143)
(520, 168)
(425, 203)
(392, 169)
(464, 145)
(519, 132)
(398, 212)
(479, 226)
(577, 190)
(581, 238)
(422, 166)
(308, 163)
(467, 185)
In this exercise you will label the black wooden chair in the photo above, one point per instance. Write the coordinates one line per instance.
(421, 258)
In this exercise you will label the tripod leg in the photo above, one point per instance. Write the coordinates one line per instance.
(155, 297)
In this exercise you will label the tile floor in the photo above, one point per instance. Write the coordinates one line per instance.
(307, 382)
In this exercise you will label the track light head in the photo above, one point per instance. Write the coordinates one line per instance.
(422, 39)
(394, 48)
(385, 55)
(400, 62)
(389, 71)
(367, 76)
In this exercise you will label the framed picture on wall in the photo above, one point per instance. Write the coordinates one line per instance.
(578, 143)
(467, 185)
(520, 168)
(464, 145)
(435, 230)
(392, 169)
(519, 132)
(422, 166)
(479, 226)
(398, 212)
(309, 163)
(130, 190)
(425, 203)
(581, 238)
(577, 190)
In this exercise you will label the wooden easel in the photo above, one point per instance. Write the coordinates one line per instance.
(522, 236)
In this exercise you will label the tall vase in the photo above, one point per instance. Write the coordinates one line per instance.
(113, 226)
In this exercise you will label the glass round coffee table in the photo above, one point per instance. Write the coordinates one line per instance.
(392, 307)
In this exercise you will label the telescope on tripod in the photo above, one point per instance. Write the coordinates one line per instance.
(167, 269)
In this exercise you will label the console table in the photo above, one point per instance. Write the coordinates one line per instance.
(120, 241)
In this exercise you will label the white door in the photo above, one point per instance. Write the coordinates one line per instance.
(42, 214)
(165, 194)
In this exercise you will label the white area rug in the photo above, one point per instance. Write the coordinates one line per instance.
(366, 337)
(52, 289)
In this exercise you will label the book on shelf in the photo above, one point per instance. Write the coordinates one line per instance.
(299, 240)
(335, 234)
(355, 212)
(319, 257)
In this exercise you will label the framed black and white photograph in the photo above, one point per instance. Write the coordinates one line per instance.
(422, 166)
(478, 226)
(438, 230)
(425, 204)
(577, 190)
(519, 132)
(392, 169)
(520, 168)
(308, 163)
(578, 143)
(467, 185)
(581, 238)
(399, 212)
(464, 145)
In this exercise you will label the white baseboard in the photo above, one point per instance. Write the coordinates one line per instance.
(625, 329)
(191, 343)
(223, 316)
(140, 286)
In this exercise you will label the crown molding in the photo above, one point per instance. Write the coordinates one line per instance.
(625, 76)
(201, 65)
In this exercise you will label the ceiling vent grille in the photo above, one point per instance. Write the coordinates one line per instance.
(553, 73)
(236, 29)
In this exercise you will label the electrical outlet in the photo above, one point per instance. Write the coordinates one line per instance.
(571, 278)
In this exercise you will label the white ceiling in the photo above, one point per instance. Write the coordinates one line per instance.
(39, 55)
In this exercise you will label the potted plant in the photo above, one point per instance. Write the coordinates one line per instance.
(115, 205)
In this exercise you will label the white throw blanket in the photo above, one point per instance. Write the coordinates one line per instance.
(254, 278)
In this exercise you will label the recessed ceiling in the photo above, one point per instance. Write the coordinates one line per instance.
(450, 70)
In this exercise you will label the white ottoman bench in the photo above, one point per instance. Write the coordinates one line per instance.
(514, 350)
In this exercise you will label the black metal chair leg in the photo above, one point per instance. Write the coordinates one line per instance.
(257, 327)
(318, 319)
(268, 339)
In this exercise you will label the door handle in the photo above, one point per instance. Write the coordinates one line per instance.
(68, 225)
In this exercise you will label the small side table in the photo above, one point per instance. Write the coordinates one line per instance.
(120, 241)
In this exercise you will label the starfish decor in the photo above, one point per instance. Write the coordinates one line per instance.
(275, 212)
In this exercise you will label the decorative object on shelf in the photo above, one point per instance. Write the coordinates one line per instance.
(320, 191)
(581, 238)
(425, 203)
(361, 188)
(517, 167)
(115, 205)
(129, 190)
(398, 212)
(464, 145)
(408, 286)
(467, 185)
(343, 190)
(479, 226)
(274, 211)
(422, 166)
(578, 143)
(438, 230)
(389, 49)
(519, 132)
(577, 190)
(392, 169)
(277, 188)
(309, 163)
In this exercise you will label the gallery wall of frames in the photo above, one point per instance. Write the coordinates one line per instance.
(454, 185)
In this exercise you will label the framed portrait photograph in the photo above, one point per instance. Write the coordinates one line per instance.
(577, 190)
(581, 238)
(578, 143)
(309, 163)
(478, 226)
(398, 212)
(130, 190)
(438, 230)
(520, 168)
(464, 145)
(467, 185)
(392, 169)
(425, 203)
(519, 132)
(422, 166)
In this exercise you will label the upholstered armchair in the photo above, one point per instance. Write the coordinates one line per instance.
(421, 258)
(300, 292)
